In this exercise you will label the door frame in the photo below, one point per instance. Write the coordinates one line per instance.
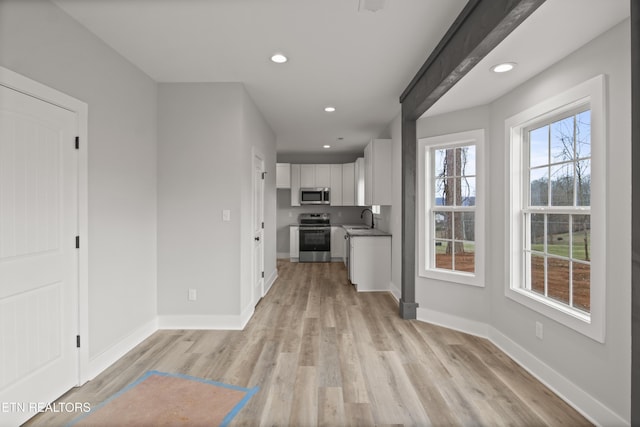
(256, 158)
(27, 86)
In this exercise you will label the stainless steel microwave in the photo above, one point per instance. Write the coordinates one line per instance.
(314, 196)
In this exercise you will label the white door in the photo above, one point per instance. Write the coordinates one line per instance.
(38, 255)
(258, 229)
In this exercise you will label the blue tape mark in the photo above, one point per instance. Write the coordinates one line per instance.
(227, 419)
(239, 406)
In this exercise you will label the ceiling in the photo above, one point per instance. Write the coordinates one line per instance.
(355, 60)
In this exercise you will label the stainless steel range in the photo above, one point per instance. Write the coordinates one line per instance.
(315, 237)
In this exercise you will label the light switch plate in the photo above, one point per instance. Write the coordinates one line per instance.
(226, 215)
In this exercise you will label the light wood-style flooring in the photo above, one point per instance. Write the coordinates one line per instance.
(323, 354)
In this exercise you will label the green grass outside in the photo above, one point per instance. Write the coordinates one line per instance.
(561, 247)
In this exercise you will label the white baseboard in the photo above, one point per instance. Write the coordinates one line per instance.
(282, 255)
(453, 322)
(215, 322)
(587, 405)
(395, 291)
(270, 280)
(108, 357)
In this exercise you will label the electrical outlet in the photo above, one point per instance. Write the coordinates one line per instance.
(539, 330)
(193, 295)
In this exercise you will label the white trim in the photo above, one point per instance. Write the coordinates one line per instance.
(30, 87)
(591, 408)
(235, 322)
(395, 291)
(450, 321)
(108, 357)
(477, 138)
(593, 92)
(270, 281)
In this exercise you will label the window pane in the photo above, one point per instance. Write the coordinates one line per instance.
(468, 191)
(583, 134)
(583, 178)
(444, 258)
(537, 232)
(558, 235)
(439, 165)
(539, 146)
(465, 259)
(558, 279)
(442, 224)
(536, 273)
(581, 286)
(440, 192)
(539, 184)
(582, 237)
(562, 139)
(465, 226)
(562, 185)
(467, 158)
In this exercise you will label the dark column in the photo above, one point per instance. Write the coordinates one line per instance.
(408, 303)
(635, 212)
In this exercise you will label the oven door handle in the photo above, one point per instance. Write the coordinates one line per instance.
(314, 228)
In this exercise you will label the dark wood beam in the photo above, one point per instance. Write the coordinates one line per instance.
(480, 27)
(635, 212)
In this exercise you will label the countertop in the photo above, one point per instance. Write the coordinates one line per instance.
(357, 230)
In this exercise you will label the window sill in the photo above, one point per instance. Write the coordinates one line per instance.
(459, 278)
(571, 318)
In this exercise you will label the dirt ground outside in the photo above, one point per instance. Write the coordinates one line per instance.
(557, 276)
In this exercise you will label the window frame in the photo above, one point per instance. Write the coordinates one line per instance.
(426, 206)
(591, 93)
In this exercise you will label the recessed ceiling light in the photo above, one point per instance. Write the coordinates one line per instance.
(504, 67)
(326, 146)
(329, 109)
(279, 58)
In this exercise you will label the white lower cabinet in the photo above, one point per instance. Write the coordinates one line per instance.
(294, 243)
(337, 242)
(370, 262)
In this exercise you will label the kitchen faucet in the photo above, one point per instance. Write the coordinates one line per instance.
(362, 215)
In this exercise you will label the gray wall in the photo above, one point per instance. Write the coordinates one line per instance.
(41, 42)
(206, 135)
(600, 370)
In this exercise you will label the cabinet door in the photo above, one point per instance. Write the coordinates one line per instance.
(294, 242)
(336, 185)
(295, 185)
(368, 174)
(323, 176)
(283, 175)
(308, 176)
(359, 182)
(348, 184)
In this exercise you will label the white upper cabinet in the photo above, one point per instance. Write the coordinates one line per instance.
(348, 184)
(359, 187)
(336, 186)
(323, 176)
(295, 185)
(283, 175)
(308, 176)
(377, 172)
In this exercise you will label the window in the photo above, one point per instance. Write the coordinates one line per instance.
(451, 208)
(557, 171)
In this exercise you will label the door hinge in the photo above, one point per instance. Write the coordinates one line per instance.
(77, 242)
(77, 341)
(263, 274)
(263, 225)
(263, 174)
(77, 142)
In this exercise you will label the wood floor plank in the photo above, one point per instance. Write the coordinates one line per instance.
(323, 354)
